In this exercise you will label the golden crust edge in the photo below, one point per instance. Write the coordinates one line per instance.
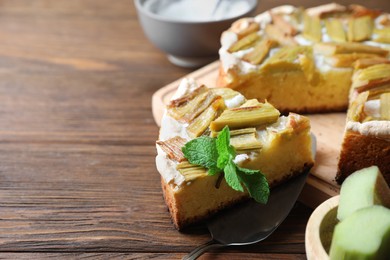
(360, 151)
(181, 224)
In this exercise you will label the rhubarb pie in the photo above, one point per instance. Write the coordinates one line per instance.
(302, 60)
(278, 146)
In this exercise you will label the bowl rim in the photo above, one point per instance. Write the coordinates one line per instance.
(140, 8)
(313, 245)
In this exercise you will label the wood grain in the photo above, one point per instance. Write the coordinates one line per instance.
(206, 256)
(77, 173)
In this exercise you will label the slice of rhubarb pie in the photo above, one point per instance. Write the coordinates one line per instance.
(216, 148)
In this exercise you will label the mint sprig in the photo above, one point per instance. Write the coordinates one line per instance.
(202, 151)
(225, 151)
(256, 184)
(217, 155)
(232, 177)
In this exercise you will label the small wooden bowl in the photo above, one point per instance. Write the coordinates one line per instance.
(319, 229)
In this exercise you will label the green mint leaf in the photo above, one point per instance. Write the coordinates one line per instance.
(213, 171)
(225, 150)
(247, 171)
(217, 155)
(202, 151)
(256, 184)
(231, 176)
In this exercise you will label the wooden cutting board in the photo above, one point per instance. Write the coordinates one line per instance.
(328, 129)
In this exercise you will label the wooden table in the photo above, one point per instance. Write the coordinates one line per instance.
(77, 172)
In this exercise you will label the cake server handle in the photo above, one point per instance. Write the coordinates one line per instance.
(194, 254)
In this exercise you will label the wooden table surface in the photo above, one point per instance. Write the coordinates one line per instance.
(77, 171)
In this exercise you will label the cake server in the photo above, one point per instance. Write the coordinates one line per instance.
(253, 222)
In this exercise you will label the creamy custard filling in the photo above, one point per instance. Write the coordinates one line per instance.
(380, 129)
(377, 128)
(186, 86)
(167, 168)
(236, 101)
(372, 108)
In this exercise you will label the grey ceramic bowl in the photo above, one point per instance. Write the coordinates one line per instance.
(186, 43)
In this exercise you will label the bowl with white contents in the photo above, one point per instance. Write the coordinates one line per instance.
(189, 31)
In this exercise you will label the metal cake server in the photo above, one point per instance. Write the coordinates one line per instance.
(253, 222)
